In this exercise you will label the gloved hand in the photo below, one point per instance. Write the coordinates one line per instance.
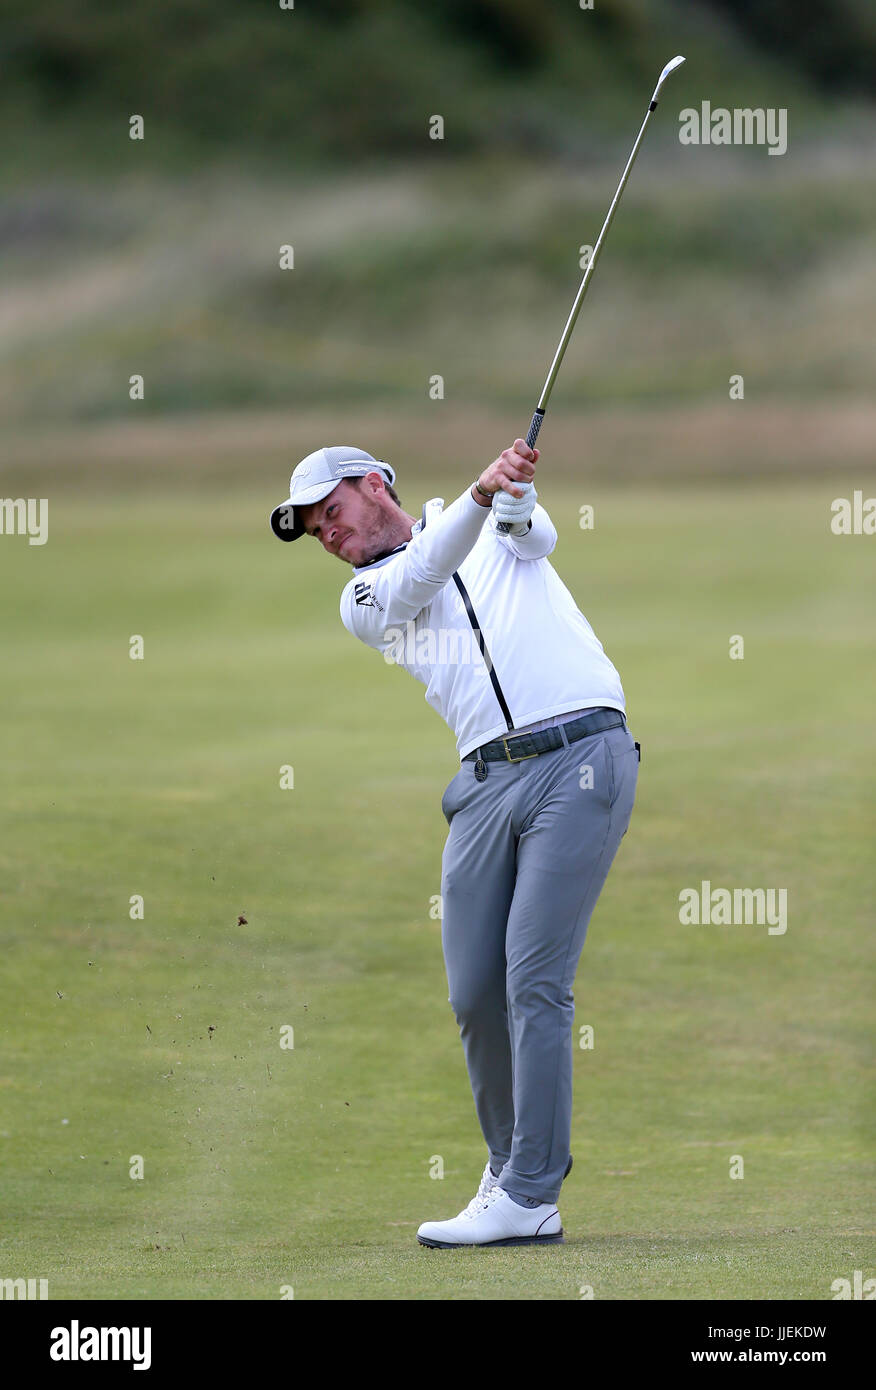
(517, 510)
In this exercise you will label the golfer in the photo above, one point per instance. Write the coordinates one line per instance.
(538, 808)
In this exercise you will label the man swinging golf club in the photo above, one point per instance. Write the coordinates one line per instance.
(543, 795)
(467, 601)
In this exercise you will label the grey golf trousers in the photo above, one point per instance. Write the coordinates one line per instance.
(528, 851)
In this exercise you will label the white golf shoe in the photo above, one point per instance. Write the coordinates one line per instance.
(494, 1219)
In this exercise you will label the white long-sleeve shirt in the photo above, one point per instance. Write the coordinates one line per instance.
(484, 621)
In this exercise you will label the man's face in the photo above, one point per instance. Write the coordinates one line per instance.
(350, 523)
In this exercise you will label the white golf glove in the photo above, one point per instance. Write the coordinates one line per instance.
(517, 510)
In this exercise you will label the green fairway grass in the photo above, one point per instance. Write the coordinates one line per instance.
(307, 1168)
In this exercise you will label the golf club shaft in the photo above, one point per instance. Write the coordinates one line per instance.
(539, 413)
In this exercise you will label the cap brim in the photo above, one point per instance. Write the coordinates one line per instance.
(284, 520)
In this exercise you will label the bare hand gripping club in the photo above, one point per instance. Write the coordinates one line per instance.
(540, 409)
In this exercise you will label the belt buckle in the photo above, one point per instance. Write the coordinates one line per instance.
(523, 757)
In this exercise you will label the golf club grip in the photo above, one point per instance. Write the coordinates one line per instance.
(535, 425)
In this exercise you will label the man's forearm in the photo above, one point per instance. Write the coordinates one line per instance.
(539, 540)
(440, 548)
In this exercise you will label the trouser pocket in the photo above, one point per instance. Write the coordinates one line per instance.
(623, 763)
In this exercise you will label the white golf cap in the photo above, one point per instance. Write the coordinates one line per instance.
(316, 476)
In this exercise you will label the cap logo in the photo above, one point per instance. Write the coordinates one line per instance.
(302, 470)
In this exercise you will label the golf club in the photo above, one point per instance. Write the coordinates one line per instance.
(538, 416)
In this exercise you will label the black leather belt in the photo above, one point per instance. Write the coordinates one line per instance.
(516, 747)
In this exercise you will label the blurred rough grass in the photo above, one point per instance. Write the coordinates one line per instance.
(467, 272)
(414, 258)
(359, 78)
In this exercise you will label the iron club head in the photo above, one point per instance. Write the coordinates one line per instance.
(670, 67)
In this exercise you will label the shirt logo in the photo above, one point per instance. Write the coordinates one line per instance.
(365, 597)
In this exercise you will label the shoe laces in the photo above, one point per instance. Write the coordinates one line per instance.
(482, 1203)
(487, 1185)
